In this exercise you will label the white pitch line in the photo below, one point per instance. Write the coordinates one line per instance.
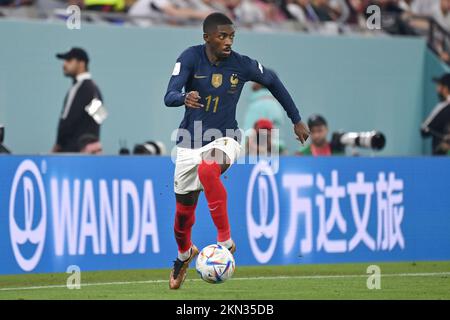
(425, 274)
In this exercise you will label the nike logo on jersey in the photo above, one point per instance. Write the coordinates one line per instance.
(196, 76)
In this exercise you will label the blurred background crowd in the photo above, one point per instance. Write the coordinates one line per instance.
(328, 16)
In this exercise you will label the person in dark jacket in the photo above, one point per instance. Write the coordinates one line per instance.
(439, 119)
(75, 121)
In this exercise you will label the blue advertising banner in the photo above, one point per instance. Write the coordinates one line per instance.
(116, 212)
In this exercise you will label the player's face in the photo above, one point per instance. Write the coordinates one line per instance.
(319, 135)
(221, 40)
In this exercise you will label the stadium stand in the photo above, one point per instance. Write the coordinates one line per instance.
(426, 18)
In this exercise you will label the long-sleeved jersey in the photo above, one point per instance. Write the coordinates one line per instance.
(219, 86)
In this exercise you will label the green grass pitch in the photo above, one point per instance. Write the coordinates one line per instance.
(420, 280)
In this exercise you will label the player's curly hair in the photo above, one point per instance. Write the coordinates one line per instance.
(213, 20)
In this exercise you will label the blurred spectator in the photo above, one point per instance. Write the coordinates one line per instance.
(271, 10)
(439, 119)
(391, 6)
(16, 3)
(302, 11)
(295, 10)
(419, 7)
(105, 5)
(405, 5)
(357, 11)
(21, 8)
(75, 120)
(319, 145)
(323, 10)
(393, 17)
(318, 10)
(416, 8)
(262, 105)
(260, 142)
(174, 10)
(215, 5)
(44, 6)
(441, 13)
(341, 10)
(90, 144)
(246, 12)
(439, 10)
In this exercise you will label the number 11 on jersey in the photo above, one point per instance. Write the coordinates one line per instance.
(210, 99)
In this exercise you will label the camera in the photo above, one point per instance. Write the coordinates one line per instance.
(154, 148)
(374, 140)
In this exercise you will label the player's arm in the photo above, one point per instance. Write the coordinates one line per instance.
(258, 73)
(175, 96)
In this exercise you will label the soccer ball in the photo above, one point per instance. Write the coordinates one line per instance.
(215, 264)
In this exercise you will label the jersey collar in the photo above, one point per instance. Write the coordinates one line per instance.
(220, 63)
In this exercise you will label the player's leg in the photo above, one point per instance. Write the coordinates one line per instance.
(184, 220)
(215, 162)
(187, 188)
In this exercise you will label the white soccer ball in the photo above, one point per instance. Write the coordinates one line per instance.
(215, 264)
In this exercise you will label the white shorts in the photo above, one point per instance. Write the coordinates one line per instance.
(186, 177)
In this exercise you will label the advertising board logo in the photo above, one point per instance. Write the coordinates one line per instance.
(27, 215)
(263, 223)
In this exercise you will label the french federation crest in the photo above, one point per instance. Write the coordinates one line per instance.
(216, 80)
(234, 80)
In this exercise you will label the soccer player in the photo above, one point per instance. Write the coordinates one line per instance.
(212, 76)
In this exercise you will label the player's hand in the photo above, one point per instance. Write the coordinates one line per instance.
(302, 131)
(191, 100)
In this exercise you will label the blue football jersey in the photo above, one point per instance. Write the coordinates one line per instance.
(219, 86)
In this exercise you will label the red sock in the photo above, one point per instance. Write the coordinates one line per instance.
(184, 220)
(216, 195)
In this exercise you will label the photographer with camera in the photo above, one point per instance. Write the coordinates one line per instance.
(319, 145)
(373, 140)
(439, 119)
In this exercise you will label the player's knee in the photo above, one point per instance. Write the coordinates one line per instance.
(208, 171)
